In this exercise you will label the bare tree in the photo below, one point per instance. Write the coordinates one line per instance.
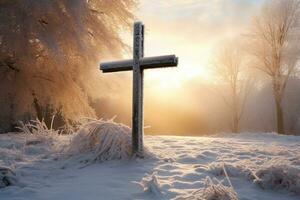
(228, 65)
(49, 53)
(274, 44)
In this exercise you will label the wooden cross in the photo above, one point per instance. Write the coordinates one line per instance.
(137, 65)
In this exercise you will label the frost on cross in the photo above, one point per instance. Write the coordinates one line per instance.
(137, 65)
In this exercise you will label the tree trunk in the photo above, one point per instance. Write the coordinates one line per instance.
(279, 117)
(235, 119)
(235, 110)
(235, 126)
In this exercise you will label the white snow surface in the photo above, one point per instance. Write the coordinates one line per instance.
(222, 167)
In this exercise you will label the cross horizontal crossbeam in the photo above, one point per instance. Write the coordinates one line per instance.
(145, 63)
(137, 65)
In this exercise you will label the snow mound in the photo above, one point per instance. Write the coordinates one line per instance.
(279, 175)
(213, 190)
(151, 185)
(7, 177)
(102, 140)
(232, 170)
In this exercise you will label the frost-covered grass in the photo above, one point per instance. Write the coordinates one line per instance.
(212, 190)
(245, 166)
(99, 140)
(102, 140)
(36, 132)
(37, 127)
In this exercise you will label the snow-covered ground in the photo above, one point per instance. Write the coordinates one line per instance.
(258, 166)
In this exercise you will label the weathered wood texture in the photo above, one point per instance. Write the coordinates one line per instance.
(137, 93)
(145, 63)
(137, 65)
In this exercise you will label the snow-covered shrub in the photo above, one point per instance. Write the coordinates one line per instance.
(102, 140)
(213, 190)
(279, 175)
(7, 177)
(151, 185)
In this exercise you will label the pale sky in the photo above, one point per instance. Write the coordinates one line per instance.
(190, 29)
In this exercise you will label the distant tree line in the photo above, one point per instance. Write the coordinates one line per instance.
(270, 45)
(50, 49)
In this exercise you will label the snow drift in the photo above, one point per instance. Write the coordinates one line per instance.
(279, 175)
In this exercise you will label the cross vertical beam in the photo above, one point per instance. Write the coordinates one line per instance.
(137, 94)
(137, 65)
